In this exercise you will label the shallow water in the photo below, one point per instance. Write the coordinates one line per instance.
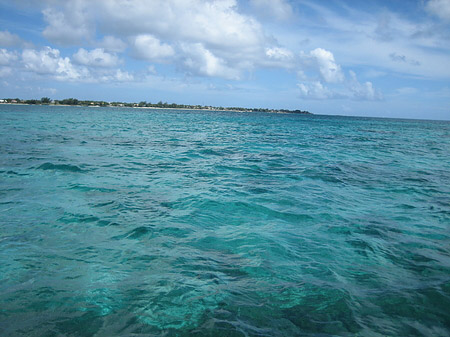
(134, 222)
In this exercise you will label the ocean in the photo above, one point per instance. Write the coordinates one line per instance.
(146, 222)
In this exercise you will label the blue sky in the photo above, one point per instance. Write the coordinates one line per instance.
(365, 58)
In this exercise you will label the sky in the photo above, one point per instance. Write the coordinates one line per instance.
(348, 57)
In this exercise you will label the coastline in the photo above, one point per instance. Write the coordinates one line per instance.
(279, 111)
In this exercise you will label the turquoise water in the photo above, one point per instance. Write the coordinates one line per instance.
(133, 222)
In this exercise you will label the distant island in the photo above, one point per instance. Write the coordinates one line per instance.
(142, 104)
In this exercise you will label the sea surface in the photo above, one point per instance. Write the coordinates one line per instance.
(145, 222)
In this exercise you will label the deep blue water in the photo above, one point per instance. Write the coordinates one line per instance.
(133, 222)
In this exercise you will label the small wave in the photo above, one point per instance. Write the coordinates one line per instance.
(60, 167)
(106, 223)
(252, 169)
(135, 233)
(102, 204)
(211, 152)
(85, 188)
(14, 173)
(416, 180)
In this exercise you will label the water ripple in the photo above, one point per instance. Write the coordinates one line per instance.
(60, 167)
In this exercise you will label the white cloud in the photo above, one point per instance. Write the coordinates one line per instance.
(350, 89)
(71, 25)
(278, 9)
(213, 23)
(279, 54)
(201, 61)
(278, 57)
(93, 66)
(7, 57)
(113, 44)
(8, 60)
(157, 30)
(149, 48)
(316, 91)
(440, 8)
(365, 91)
(116, 76)
(9, 40)
(123, 76)
(48, 61)
(95, 58)
(329, 69)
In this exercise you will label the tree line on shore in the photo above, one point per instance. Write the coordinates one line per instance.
(142, 104)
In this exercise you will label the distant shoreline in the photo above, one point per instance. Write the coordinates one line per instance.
(142, 105)
(157, 108)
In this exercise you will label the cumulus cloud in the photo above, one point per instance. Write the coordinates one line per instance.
(160, 28)
(96, 58)
(7, 57)
(123, 76)
(116, 76)
(278, 9)
(9, 40)
(365, 91)
(70, 25)
(113, 44)
(201, 61)
(279, 57)
(440, 8)
(350, 89)
(316, 91)
(322, 62)
(48, 61)
(329, 69)
(91, 66)
(215, 23)
(149, 48)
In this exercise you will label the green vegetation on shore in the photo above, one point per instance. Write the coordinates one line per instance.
(142, 104)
